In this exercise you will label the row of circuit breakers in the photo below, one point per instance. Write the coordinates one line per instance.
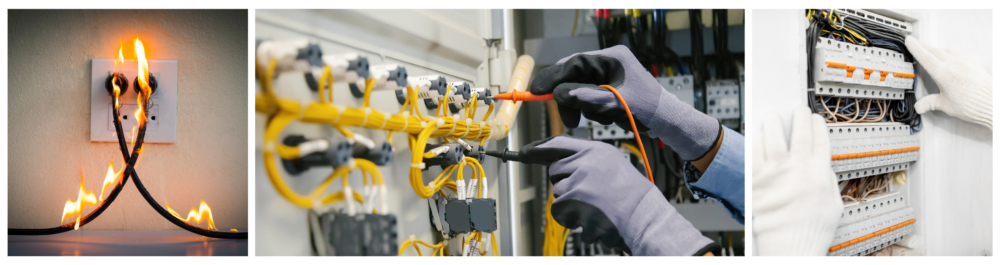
(860, 150)
(722, 96)
(343, 234)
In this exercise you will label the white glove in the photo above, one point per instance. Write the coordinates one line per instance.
(796, 202)
(966, 87)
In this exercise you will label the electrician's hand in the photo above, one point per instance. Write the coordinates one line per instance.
(966, 87)
(597, 188)
(575, 84)
(796, 202)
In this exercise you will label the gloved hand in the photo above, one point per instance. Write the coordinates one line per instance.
(595, 187)
(966, 87)
(796, 201)
(575, 84)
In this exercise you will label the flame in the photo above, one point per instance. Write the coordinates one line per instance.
(114, 79)
(76, 207)
(121, 59)
(203, 212)
(110, 178)
(133, 136)
(140, 55)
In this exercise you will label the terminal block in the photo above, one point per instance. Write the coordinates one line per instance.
(865, 149)
(463, 216)
(291, 56)
(430, 88)
(447, 154)
(335, 155)
(848, 70)
(723, 98)
(359, 235)
(483, 95)
(349, 67)
(388, 77)
(872, 234)
(458, 96)
(379, 156)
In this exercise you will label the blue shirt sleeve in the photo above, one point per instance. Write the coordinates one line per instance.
(723, 181)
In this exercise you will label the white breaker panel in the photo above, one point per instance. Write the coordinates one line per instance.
(723, 98)
(162, 126)
(872, 234)
(865, 149)
(847, 70)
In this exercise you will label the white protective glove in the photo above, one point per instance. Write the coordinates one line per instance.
(966, 87)
(796, 202)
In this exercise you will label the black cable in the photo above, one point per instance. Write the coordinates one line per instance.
(149, 198)
(85, 220)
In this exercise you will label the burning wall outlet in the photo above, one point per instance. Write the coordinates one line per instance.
(162, 127)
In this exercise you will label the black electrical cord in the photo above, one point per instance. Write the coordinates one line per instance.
(83, 221)
(145, 194)
(86, 219)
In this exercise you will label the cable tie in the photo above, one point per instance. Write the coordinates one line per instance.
(482, 125)
(270, 146)
(340, 111)
(423, 124)
(440, 122)
(468, 127)
(368, 112)
(385, 119)
(419, 165)
(406, 121)
(453, 125)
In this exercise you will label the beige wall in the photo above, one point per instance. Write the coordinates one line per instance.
(49, 115)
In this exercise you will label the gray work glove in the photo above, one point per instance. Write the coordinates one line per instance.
(966, 87)
(575, 84)
(596, 188)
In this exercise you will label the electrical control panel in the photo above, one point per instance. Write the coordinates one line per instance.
(723, 98)
(862, 92)
(162, 122)
(681, 86)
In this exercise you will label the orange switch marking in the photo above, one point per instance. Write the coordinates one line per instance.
(836, 65)
(874, 153)
(869, 236)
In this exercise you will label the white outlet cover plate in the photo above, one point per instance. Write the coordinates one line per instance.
(161, 129)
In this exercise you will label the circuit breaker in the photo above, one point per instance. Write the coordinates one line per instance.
(860, 88)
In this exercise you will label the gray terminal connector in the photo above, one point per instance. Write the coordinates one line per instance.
(349, 67)
(429, 88)
(459, 95)
(388, 77)
(447, 154)
(482, 214)
(380, 156)
(456, 214)
(339, 153)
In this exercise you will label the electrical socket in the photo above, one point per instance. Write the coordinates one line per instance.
(161, 129)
